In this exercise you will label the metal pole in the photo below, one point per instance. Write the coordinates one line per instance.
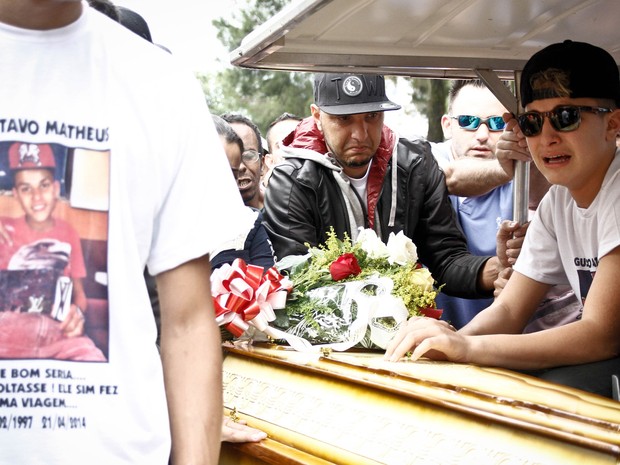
(520, 192)
(521, 180)
(521, 183)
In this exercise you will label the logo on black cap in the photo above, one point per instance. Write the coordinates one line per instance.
(352, 86)
(346, 94)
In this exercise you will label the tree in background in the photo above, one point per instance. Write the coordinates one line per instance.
(259, 94)
(431, 98)
(263, 95)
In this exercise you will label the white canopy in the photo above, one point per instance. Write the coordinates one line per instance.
(490, 39)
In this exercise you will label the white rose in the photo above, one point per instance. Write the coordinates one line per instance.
(402, 250)
(423, 278)
(371, 244)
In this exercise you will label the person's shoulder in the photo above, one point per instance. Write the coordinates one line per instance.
(418, 145)
(140, 74)
(412, 150)
(612, 175)
(300, 172)
(287, 169)
(556, 201)
(296, 165)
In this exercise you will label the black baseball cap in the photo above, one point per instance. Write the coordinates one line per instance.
(348, 94)
(585, 70)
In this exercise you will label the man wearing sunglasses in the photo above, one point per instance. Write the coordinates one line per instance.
(472, 127)
(571, 94)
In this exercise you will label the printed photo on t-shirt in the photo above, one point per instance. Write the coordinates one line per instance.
(53, 252)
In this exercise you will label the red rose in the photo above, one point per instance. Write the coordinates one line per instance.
(431, 312)
(344, 266)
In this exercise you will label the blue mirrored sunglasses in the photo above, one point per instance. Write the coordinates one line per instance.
(471, 123)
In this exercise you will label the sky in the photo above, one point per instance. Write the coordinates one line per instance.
(184, 27)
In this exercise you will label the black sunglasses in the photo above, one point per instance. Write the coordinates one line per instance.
(471, 123)
(563, 118)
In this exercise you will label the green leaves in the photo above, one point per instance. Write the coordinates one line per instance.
(259, 94)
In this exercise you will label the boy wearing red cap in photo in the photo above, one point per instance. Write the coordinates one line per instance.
(571, 94)
(38, 240)
(35, 188)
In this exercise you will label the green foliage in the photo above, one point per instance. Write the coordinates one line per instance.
(412, 295)
(259, 94)
(314, 272)
(263, 95)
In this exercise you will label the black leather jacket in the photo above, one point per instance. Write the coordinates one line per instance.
(303, 200)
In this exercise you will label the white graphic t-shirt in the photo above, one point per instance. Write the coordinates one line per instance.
(109, 161)
(564, 243)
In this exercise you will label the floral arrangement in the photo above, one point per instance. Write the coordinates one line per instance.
(355, 293)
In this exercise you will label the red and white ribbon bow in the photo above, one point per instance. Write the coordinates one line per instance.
(244, 294)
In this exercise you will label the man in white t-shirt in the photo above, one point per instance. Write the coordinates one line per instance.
(571, 94)
(137, 172)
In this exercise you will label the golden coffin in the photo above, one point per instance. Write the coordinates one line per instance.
(354, 408)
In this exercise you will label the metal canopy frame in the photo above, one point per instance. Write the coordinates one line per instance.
(448, 39)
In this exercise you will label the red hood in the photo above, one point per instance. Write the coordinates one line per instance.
(308, 136)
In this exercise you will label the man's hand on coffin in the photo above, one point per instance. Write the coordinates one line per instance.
(238, 431)
(435, 339)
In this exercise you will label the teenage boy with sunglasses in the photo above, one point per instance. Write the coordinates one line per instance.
(472, 128)
(571, 93)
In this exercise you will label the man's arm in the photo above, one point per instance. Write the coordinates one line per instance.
(488, 274)
(441, 244)
(592, 338)
(192, 362)
(470, 177)
(494, 336)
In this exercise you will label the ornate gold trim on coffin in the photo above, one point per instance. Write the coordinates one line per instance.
(355, 408)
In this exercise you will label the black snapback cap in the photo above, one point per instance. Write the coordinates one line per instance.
(586, 71)
(348, 94)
